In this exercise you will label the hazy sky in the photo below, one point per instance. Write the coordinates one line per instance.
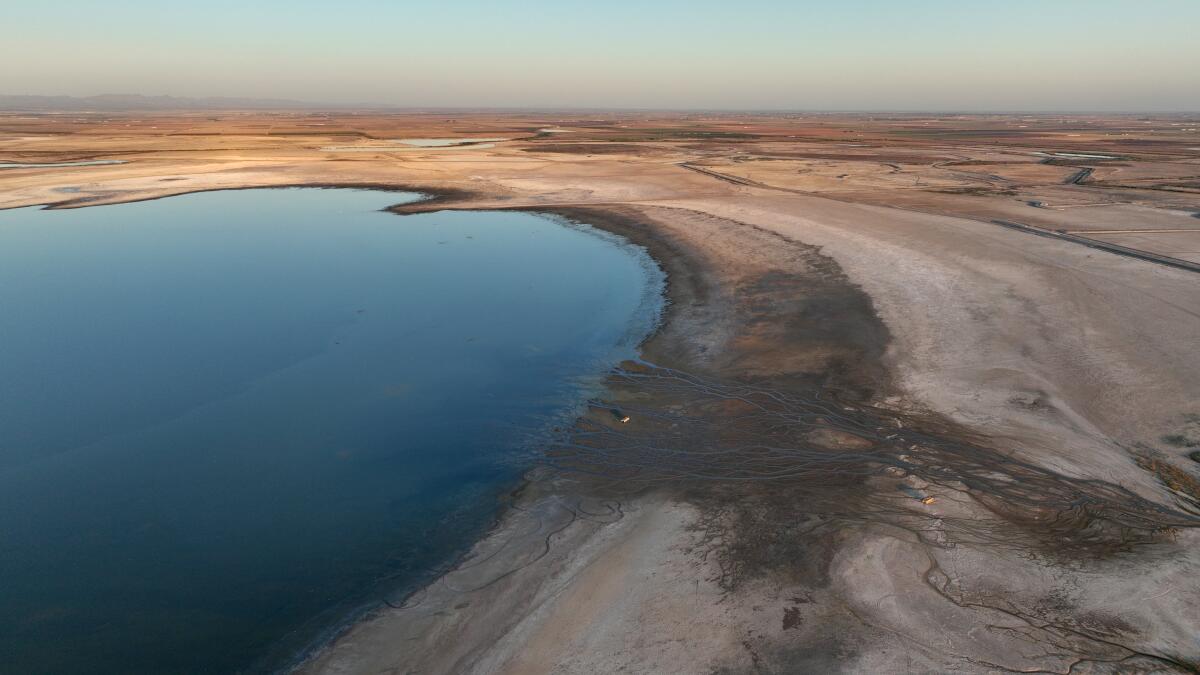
(740, 54)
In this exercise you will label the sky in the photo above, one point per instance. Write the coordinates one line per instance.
(927, 55)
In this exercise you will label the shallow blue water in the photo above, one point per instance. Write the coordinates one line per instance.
(228, 419)
(51, 165)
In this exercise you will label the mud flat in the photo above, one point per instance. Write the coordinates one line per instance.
(774, 504)
(875, 433)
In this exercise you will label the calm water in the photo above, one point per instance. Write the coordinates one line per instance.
(51, 165)
(420, 143)
(445, 142)
(230, 419)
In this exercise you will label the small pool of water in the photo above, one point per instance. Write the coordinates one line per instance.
(230, 420)
(407, 146)
(446, 142)
(1075, 155)
(52, 165)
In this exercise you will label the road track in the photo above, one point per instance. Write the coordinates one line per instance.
(1104, 246)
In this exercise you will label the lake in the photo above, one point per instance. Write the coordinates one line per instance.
(230, 421)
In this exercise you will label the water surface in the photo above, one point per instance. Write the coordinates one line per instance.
(1075, 155)
(52, 165)
(230, 419)
(446, 142)
(420, 143)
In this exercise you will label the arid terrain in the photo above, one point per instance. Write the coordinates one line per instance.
(926, 395)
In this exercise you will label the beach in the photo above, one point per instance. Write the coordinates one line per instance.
(651, 591)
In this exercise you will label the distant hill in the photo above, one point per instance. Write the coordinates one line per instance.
(119, 102)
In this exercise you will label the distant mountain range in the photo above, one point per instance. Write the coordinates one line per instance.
(119, 102)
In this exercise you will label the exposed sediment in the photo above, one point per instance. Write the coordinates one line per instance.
(760, 464)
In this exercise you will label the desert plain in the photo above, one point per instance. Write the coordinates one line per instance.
(925, 396)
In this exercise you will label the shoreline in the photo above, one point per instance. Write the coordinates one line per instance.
(972, 436)
(530, 632)
(682, 285)
(511, 497)
(693, 294)
(516, 498)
